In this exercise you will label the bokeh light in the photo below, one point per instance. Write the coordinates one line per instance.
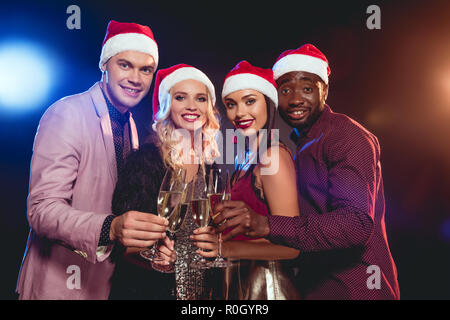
(25, 77)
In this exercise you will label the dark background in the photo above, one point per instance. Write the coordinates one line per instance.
(395, 81)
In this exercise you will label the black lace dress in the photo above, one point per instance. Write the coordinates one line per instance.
(137, 189)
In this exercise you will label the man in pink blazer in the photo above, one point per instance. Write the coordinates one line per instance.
(79, 147)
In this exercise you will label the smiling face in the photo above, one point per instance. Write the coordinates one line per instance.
(127, 77)
(301, 98)
(189, 104)
(247, 110)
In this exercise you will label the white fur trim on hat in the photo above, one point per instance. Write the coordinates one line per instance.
(128, 41)
(182, 74)
(300, 62)
(244, 81)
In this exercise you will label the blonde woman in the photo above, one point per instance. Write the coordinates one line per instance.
(185, 125)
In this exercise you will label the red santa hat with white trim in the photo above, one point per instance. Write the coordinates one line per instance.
(245, 76)
(305, 58)
(123, 36)
(167, 78)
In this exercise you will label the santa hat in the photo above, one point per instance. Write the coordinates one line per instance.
(306, 58)
(167, 78)
(123, 36)
(245, 76)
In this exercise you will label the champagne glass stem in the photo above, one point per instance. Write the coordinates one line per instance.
(151, 253)
(156, 251)
(219, 250)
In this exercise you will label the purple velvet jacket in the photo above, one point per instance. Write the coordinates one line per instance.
(341, 230)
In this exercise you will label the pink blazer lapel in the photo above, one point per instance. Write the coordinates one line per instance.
(102, 111)
(134, 134)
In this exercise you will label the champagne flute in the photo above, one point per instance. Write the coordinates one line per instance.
(176, 220)
(171, 194)
(219, 189)
(200, 214)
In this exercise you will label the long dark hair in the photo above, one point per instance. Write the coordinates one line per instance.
(267, 140)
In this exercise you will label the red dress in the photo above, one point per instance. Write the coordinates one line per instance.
(244, 190)
(256, 279)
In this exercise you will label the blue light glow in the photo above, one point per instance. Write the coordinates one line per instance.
(445, 230)
(25, 76)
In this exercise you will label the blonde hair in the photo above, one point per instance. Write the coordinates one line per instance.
(171, 145)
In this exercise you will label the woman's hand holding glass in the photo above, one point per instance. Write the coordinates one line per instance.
(167, 253)
(206, 240)
(241, 220)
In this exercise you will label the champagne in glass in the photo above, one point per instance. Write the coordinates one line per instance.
(167, 203)
(219, 189)
(200, 212)
(177, 205)
(176, 219)
(172, 190)
(216, 198)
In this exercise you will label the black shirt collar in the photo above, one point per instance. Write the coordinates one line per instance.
(114, 114)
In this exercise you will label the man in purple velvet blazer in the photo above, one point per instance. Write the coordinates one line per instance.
(341, 234)
(80, 145)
